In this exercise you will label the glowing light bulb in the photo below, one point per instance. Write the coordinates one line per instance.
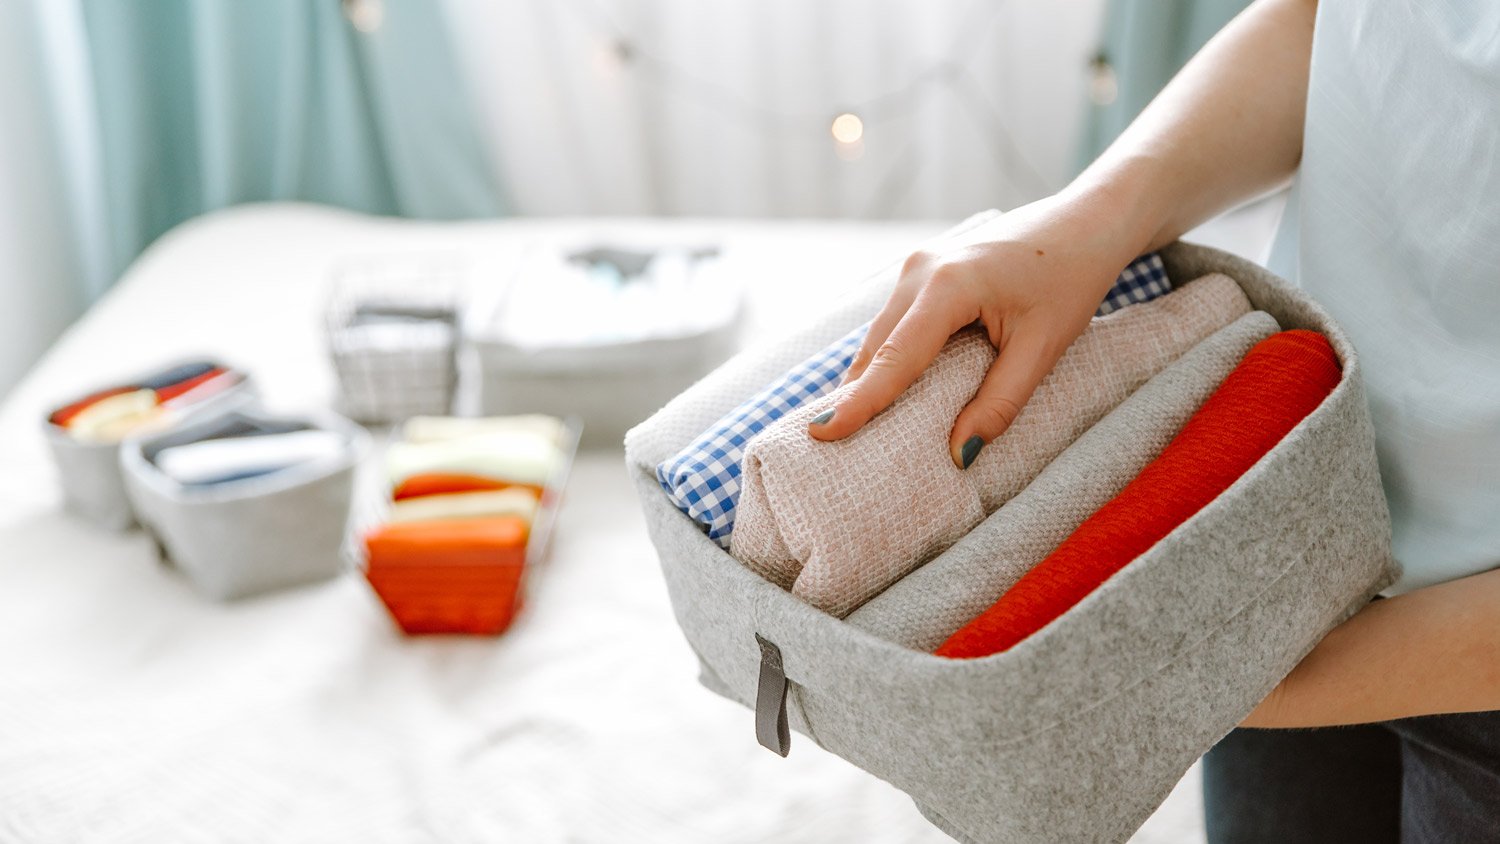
(365, 15)
(848, 128)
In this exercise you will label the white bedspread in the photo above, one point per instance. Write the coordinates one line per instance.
(131, 710)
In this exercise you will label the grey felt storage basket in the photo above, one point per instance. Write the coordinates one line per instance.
(248, 536)
(1079, 732)
(89, 472)
(611, 387)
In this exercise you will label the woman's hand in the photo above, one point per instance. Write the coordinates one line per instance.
(1033, 279)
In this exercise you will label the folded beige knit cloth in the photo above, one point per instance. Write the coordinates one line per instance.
(924, 608)
(838, 522)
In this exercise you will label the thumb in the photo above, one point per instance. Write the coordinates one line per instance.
(1023, 362)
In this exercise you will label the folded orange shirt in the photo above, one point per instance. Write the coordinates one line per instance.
(483, 541)
(1280, 381)
(444, 484)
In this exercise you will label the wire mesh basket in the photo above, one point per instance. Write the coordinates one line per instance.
(392, 324)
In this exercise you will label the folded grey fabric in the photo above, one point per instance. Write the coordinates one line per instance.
(1079, 732)
(924, 608)
(838, 522)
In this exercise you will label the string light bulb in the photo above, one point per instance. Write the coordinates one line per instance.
(847, 128)
(1104, 87)
(365, 15)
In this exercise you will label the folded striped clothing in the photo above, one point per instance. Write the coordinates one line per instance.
(703, 479)
(837, 522)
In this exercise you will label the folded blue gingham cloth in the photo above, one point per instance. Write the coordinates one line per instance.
(703, 479)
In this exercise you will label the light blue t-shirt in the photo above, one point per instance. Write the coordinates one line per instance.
(1394, 225)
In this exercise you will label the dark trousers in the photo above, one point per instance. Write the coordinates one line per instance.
(1431, 779)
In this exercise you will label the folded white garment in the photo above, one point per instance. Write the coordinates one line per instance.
(515, 457)
(426, 429)
(514, 501)
(207, 461)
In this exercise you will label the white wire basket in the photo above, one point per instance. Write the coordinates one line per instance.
(392, 324)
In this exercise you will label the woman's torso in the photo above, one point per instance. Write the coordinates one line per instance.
(1394, 225)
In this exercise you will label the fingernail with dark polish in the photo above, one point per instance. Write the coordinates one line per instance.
(822, 418)
(971, 448)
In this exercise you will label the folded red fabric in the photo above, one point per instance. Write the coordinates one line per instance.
(172, 391)
(1280, 381)
(435, 483)
(63, 415)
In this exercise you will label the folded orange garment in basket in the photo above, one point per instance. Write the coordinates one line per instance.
(482, 541)
(1280, 381)
(838, 522)
(417, 486)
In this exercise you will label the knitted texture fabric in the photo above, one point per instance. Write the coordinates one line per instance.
(838, 522)
(1280, 381)
(925, 607)
(484, 541)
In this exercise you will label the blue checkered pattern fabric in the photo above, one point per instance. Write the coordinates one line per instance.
(704, 478)
(1144, 280)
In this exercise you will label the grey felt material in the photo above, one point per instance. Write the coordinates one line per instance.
(924, 608)
(248, 536)
(89, 472)
(1080, 731)
(610, 387)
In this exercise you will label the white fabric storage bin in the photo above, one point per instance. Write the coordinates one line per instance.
(1080, 731)
(244, 537)
(605, 330)
(89, 472)
(611, 387)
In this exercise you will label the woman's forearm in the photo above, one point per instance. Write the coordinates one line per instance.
(1226, 129)
(1426, 652)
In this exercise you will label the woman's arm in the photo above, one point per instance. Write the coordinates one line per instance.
(1426, 652)
(1227, 128)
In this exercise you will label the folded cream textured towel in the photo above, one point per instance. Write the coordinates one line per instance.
(838, 522)
(427, 429)
(516, 458)
(924, 608)
(516, 501)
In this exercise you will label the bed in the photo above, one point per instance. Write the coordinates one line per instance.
(133, 710)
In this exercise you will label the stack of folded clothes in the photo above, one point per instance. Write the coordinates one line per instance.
(847, 526)
(1279, 382)
(152, 403)
(465, 498)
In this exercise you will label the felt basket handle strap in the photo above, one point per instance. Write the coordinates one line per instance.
(770, 700)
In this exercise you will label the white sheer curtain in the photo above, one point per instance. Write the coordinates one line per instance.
(724, 108)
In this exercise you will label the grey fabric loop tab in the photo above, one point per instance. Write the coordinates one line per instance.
(770, 700)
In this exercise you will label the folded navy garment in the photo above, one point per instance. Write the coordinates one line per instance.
(703, 480)
(177, 375)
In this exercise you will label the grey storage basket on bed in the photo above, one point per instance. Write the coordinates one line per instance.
(1079, 732)
(89, 472)
(253, 535)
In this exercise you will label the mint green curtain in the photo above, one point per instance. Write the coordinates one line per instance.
(207, 103)
(1145, 43)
